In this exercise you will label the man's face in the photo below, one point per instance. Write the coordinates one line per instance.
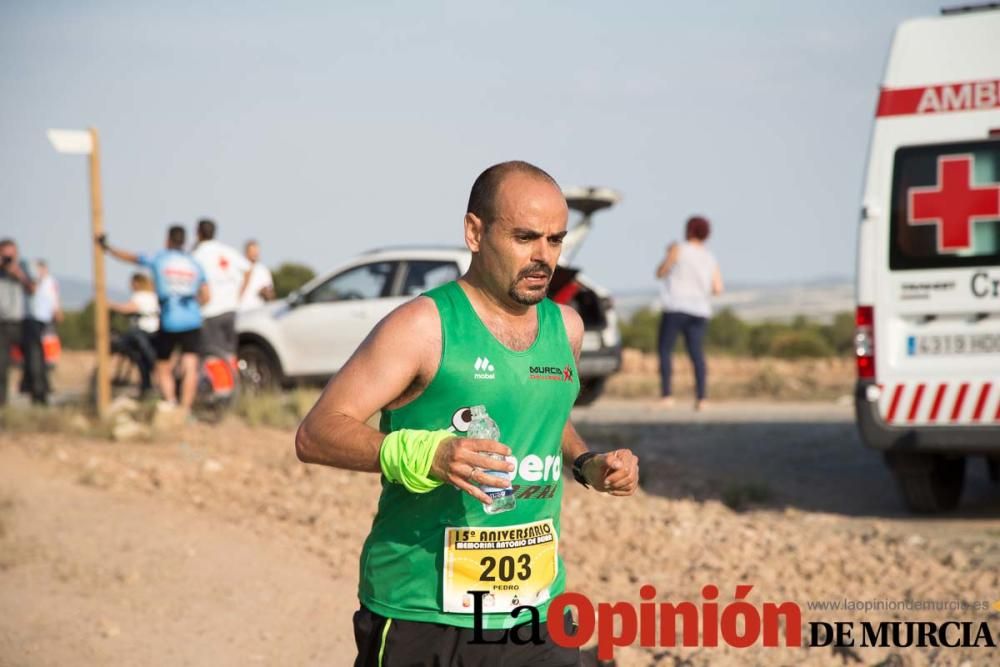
(519, 250)
(8, 254)
(253, 252)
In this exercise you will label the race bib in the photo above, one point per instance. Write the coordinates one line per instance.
(514, 565)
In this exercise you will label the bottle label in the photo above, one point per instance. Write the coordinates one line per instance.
(493, 491)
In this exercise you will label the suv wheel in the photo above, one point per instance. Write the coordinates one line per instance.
(259, 370)
(929, 482)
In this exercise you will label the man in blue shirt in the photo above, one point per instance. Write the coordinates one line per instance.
(181, 289)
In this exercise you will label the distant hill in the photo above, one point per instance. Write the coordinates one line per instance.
(818, 299)
(76, 293)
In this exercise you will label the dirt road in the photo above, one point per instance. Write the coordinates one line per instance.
(214, 546)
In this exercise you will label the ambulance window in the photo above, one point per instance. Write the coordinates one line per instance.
(945, 206)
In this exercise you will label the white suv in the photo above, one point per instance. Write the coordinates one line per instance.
(309, 335)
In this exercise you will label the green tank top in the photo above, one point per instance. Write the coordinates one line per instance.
(529, 395)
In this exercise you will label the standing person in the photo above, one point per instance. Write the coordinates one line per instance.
(181, 289)
(143, 309)
(224, 269)
(690, 276)
(489, 338)
(258, 285)
(16, 288)
(45, 311)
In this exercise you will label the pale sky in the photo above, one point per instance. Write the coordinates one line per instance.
(324, 129)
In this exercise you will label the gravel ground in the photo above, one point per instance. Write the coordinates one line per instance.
(214, 545)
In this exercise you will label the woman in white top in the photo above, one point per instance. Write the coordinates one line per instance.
(690, 276)
(143, 309)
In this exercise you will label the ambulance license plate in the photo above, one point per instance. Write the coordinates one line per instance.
(944, 344)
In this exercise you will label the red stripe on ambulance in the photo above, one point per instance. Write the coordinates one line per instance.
(895, 403)
(981, 403)
(962, 96)
(916, 403)
(937, 401)
(957, 410)
(946, 406)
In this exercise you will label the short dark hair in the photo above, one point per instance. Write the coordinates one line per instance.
(6, 242)
(482, 198)
(206, 228)
(697, 227)
(176, 236)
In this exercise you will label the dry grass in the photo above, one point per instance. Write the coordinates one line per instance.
(43, 419)
(278, 410)
(737, 378)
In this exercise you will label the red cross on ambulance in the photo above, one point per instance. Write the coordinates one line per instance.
(954, 203)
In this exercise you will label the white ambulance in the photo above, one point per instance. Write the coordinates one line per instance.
(928, 272)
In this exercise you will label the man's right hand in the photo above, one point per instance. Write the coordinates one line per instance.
(458, 462)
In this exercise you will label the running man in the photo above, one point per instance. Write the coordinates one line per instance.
(181, 289)
(490, 338)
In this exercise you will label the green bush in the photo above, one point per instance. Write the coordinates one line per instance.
(762, 337)
(840, 333)
(642, 330)
(728, 334)
(800, 344)
(290, 276)
(76, 331)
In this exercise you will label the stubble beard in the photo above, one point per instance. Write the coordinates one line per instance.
(526, 297)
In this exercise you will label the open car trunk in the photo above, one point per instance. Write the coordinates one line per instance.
(564, 288)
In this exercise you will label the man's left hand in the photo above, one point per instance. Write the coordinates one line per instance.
(615, 473)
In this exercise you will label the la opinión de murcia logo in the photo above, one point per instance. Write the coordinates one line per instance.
(738, 623)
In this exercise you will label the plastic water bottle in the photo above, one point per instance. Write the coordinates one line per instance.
(484, 428)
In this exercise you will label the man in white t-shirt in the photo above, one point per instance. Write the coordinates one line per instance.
(259, 285)
(224, 270)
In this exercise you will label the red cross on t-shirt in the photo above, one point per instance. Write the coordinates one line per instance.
(223, 263)
(953, 204)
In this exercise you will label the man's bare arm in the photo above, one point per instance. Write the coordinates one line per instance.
(334, 433)
(117, 253)
(572, 443)
(615, 473)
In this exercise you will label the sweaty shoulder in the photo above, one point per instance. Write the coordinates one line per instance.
(574, 327)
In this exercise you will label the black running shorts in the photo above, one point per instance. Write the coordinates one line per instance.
(164, 342)
(384, 642)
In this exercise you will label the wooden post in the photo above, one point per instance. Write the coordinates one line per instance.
(101, 323)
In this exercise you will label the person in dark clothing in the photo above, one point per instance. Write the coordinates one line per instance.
(143, 309)
(16, 288)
